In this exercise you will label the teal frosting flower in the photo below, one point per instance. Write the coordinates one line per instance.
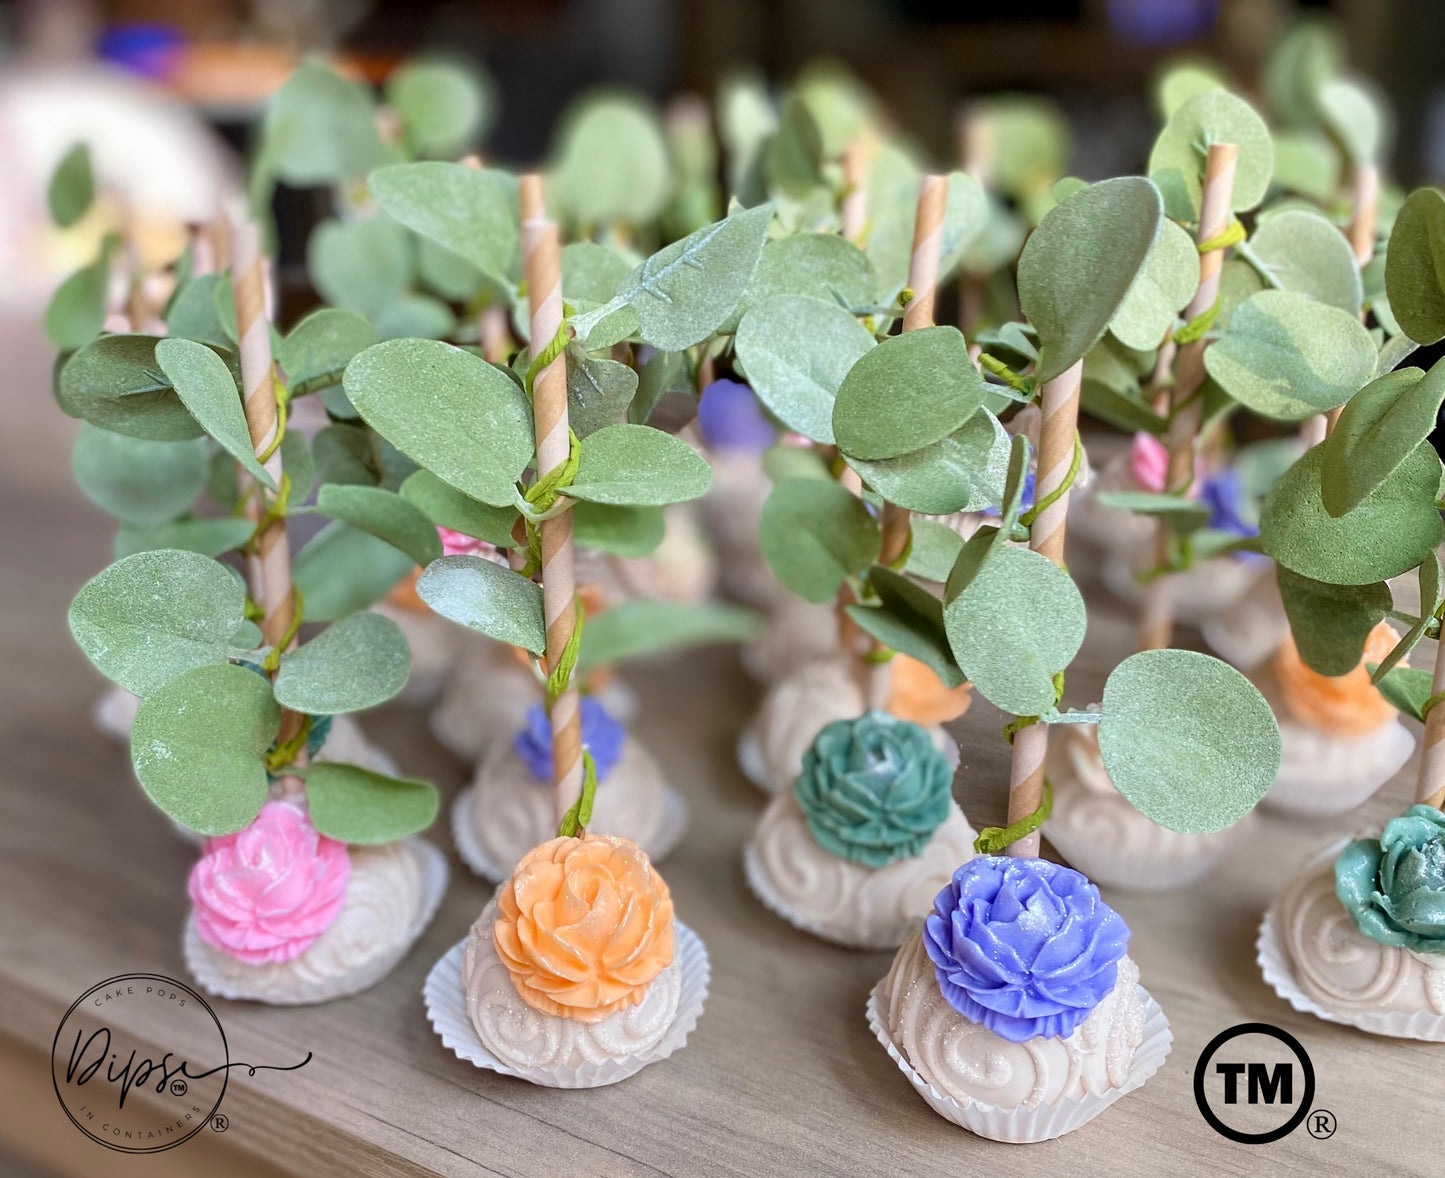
(874, 789)
(1394, 886)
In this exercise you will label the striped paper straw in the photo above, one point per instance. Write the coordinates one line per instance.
(1215, 213)
(853, 212)
(542, 262)
(270, 560)
(1431, 786)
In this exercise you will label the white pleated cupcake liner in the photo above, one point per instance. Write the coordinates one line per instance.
(200, 960)
(480, 862)
(1044, 1123)
(755, 769)
(446, 1008)
(1395, 1024)
(1127, 870)
(762, 888)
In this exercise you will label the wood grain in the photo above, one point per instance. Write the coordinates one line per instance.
(781, 1077)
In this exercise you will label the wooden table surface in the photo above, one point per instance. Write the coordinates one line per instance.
(782, 1075)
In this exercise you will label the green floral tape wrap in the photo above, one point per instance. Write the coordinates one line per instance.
(1394, 886)
(874, 789)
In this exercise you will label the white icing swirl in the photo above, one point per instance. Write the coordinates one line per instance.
(1322, 773)
(798, 633)
(1339, 967)
(521, 1037)
(485, 700)
(389, 899)
(846, 901)
(512, 811)
(795, 710)
(969, 1063)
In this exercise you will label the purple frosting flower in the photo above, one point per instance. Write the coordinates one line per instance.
(1026, 501)
(1025, 947)
(730, 418)
(1223, 494)
(602, 736)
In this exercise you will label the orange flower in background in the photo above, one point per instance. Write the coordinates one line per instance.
(918, 694)
(1348, 704)
(403, 594)
(583, 926)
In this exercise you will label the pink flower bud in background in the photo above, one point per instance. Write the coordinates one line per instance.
(1148, 462)
(267, 892)
(460, 544)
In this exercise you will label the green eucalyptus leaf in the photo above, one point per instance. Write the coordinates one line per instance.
(361, 661)
(591, 272)
(782, 461)
(599, 391)
(965, 215)
(209, 537)
(199, 747)
(1289, 357)
(892, 208)
(604, 326)
(1330, 623)
(360, 265)
(487, 598)
(357, 806)
(908, 619)
(682, 293)
(445, 106)
(963, 472)
(72, 187)
(76, 312)
(1305, 58)
(1079, 265)
(636, 465)
(1014, 619)
(318, 129)
(206, 387)
(1379, 429)
(1431, 576)
(1415, 266)
(448, 274)
(1165, 284)
(1408, 689)
(1176, 163)
(838, 103)
(909, 392)
(1182, 514)
(641, 628)
(1305, 253)
(415, 316)
(814, 535)
(1306, 162)
(1392, 529)
(344, 455)
(470, 211)
(147, 618)
(611, 162)
(193, 312)
(1124, 409)
(446, 507)
(343, 569)
(664, 372)
(385, 515)
(796, 351)
(449, 410)
(934, 549)
(324, 342)
(793, 158)
(821, 265)
(1354, 112)
(140, 482)
(116, 383)
(1187, 739)
(623, 531)
(1181, 83)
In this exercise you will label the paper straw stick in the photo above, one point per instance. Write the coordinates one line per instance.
(1361, 234)
(1215, 214)
(542, 262)
(1431, 786)
(270, 562)
(853, 213)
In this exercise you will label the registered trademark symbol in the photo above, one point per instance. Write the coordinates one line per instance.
(178, 1087)
(1321, 1123)
(219, 1123)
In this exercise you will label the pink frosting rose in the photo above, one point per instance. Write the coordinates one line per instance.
(1148, 462)
(267, 892)
(460, 544)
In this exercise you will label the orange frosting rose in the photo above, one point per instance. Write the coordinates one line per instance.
(403, 594)
(583, 926)
(1348, 704)
(918, 694)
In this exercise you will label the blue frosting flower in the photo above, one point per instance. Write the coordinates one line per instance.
(1393, 887)
(602, 736)
(730, 418)
(1223, 493)
(1025, 947)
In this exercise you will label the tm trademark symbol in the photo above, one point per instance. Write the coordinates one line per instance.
(178, 1087)
(1321, 1124)
(219, 1123)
